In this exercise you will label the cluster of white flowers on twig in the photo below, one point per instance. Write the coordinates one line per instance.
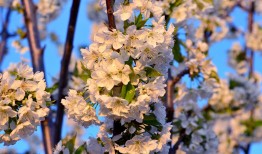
(23, 102)
(126, 82)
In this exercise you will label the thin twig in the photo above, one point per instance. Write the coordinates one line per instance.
(5, 35)
(64, 69)
(174, 149)
(37, 60)
(182, 135)
(251, 59)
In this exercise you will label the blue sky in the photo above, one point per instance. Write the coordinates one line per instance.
(218, 53)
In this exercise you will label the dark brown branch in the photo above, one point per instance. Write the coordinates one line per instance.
(117, 128)
(250, 28)
(64, 69)
(251, 59)
(171, 82)
(110, 14)
(5, 35)
(37, 60)
(182, 134)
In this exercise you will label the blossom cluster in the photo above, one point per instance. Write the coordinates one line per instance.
(236, 106)
(237, 59)
(254, 38)
(24, 101)
(126, 82)
(191, 124)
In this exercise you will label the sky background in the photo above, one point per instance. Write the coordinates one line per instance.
(218, 53)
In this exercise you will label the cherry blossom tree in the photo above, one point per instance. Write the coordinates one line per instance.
(141, 81)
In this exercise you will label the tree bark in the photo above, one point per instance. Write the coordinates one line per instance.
(171, 82)
(5, 35)
(110, 14)
(64, 69)
(37, 60)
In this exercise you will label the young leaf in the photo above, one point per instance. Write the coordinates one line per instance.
(151, 72)
(130, 92)
(214, 75)
(151, 120)
(123, 91)
(233, 84)
(70, 144)
(81, 149)
(53, 88)
(177, 51)
(139, 22)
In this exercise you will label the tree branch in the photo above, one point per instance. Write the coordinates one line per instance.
(117, 128)
(173, 149)
(110, 14)
(37, 60)
(64, 69)
(251, 59)
(250, 29)
(171, 82)
(182, 134)
(5, 35)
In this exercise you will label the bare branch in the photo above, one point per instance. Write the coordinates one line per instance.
(37, 60)
(64, 68)
(5, 35)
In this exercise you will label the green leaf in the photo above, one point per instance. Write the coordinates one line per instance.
(123, 91)
(199, 4)
(241, 56)
(70, 144)
(139, 22)
(81, 149)
(151, 72)
(53, 88)
(49, 103)
(251, 125)
(138, 18)
(178, 2)
(130, 61)
(21, 33)
(130, 92)
(233, 84)
(133, 77)
(151, 120)
(18, 8)
(177, 51)
(156, 136)
(86, 73)
(214, 75)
